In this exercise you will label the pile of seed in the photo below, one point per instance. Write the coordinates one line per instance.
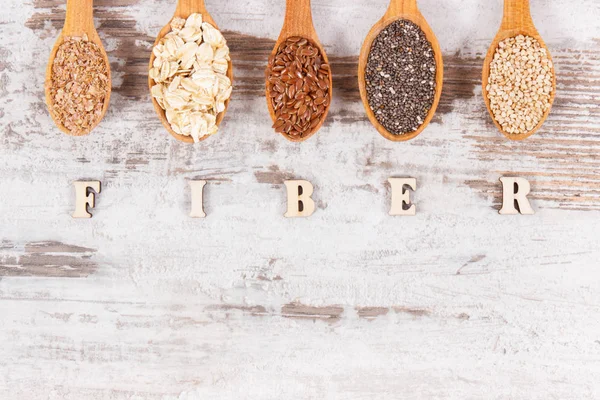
(298, 87)
(520, 84)
(400, 77)
(78, 85)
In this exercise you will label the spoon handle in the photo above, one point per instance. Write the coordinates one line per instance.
(79, 18)
(187, 7)
(517, 15)
(298, 19)
(400, 7)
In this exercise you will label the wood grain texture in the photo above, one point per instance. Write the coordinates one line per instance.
(143, 302)
(46, 259)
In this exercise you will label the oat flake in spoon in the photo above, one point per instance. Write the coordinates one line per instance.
(190, 76)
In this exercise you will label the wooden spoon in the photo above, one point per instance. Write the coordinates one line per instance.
(408, 10)
(79, 20)
(298, 22)
(516, 21)
(184, 9)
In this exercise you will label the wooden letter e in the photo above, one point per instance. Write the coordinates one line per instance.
(401, 197)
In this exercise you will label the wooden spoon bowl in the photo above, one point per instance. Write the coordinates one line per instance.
(406, 10)
(79, 21)
(184, 9)
(516, 21)
(298, 22)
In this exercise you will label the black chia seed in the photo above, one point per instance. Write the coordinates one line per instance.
(400, 77)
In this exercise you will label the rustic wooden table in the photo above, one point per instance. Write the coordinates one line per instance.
(142, 302)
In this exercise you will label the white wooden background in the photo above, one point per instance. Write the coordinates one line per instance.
(142, 302)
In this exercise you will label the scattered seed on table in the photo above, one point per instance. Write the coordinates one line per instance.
(400, 77)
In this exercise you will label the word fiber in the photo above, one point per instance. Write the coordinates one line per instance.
(301, 204)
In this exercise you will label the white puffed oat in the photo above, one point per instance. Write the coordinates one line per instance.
(190, 76)
(187, 54)
(220, 66)
(205, 53)
(212, 36)
(222, 53)
(194, 21)
(177, 24)
(190, 34)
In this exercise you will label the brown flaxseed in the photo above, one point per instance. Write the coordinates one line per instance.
(298, 82)
(78, 85)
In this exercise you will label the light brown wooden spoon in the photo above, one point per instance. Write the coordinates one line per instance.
(516, 21)
(408, 10)
(298, 22)
(79, 20)
(184, 9)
